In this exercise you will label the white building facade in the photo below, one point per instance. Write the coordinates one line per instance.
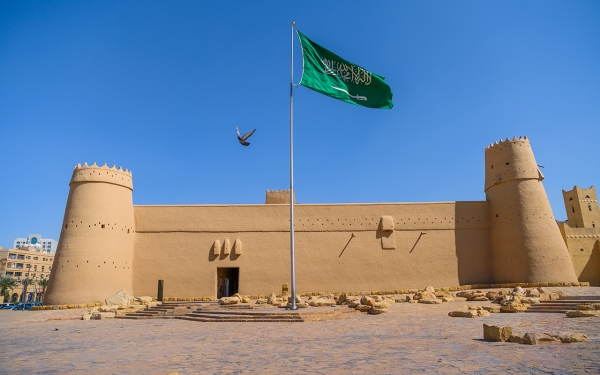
(46, 245)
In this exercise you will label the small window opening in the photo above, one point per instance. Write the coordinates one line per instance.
(572, 208)
(103, 224)
(589, 207)
(581, 250)
(587, 196)
(507, 163)
(593, 225)
(571, 198)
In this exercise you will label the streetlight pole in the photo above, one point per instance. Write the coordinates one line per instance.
(25, 287)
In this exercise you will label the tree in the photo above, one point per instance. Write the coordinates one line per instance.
(44, 284)
(7, 284)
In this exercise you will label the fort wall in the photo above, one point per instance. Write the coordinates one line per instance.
(338, 247)
(107, 244)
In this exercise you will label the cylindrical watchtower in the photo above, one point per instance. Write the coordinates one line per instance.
(95, 252)
(525, 239)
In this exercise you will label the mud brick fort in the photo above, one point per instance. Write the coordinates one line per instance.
(108, 244)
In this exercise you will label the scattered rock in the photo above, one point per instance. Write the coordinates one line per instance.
(518, 291)
(342, 298)
(583, 313)
(86, 316)
(366, 300)
(298, 300)
(144, 299)
(402, 298)
(567, 337)
(430, 301)
(532, 293)
(516, 339)
(381, 305)
(363, 308)
(105, 308)
(588, 306)
(513, 307)
(447, 299)
(272, 299)
(424, 295)
(530, 300)
(492, 309)
(538, 338)
(102, 315)
(430, 289)
(119, 298)
(245, 300)
(376, 311)
(468, 313)
(496, 333)
(492, 295)
(261, 301)
(229, 300)
(322, 302)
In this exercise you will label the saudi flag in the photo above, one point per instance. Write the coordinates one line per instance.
(329, 74)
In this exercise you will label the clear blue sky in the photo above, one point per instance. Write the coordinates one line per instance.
(159, 87)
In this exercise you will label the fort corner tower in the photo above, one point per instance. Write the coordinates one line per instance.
(97, 237)
(526, 244)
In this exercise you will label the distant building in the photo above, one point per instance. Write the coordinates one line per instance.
(581, 232)
(26, 262)
(48, 245)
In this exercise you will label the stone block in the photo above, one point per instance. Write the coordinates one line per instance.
(513, 307)
(583, 314)
(430, 301)
(375, 311)
(496, 333)
(516, 339)
(492, 309)
(119, 298)
(538, 338)
(572, 337)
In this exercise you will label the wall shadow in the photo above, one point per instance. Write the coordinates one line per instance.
(591, 271)
(472, 243)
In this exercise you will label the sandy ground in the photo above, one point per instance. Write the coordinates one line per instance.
(410, 338)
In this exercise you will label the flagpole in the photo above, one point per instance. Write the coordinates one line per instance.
(292, 194)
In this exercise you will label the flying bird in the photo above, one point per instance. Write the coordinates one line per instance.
(243, 138)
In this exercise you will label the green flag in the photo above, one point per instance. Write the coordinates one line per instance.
(329, 74)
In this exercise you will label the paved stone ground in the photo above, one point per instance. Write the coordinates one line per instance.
(411, 338)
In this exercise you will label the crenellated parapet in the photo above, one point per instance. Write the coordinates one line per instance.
(106, 174)
(509, 160)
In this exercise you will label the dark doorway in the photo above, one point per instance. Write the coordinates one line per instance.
(227, 281)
